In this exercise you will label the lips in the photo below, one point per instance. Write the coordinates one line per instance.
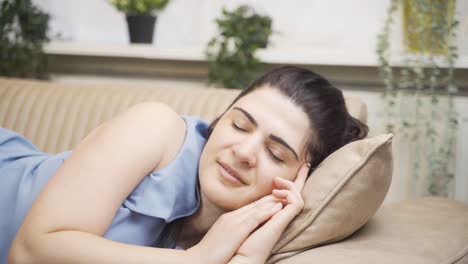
(231, 172)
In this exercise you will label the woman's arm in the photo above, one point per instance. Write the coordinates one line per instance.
(83, 247)
(76, 207)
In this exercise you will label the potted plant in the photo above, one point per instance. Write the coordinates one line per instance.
(23, 29)
(419, 88)
(141, 17)
(231, 53)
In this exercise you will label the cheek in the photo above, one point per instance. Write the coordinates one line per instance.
(217, 140)
(222, 135)
(267, 176)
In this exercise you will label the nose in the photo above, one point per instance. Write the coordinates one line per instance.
(246, 150)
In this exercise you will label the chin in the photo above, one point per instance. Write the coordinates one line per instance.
(222, 202)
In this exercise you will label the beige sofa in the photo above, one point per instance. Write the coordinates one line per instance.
(56, 116)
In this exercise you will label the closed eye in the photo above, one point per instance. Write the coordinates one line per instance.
(236, 127)
(274, 157)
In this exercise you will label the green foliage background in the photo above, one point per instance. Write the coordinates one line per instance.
(231, 54)
(23, 29)
(139, 7)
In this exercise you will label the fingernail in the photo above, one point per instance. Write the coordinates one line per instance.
(278, 206)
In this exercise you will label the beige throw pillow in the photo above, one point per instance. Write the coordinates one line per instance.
(340, 196)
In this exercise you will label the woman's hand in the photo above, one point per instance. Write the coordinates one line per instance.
(257, 247)
(231, 229)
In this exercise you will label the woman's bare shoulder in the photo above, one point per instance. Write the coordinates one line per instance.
(162, 122)
(170, 125)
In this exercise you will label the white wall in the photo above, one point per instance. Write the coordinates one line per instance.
(332, 24)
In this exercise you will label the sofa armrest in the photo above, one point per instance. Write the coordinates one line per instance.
(427, 230)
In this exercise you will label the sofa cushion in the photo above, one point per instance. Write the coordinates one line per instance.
(427, 230)
(340, 196)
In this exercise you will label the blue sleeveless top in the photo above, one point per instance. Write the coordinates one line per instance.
(143, 218)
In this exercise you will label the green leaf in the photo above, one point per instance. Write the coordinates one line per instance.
(235, 65)
(139, 7)
(23, 31)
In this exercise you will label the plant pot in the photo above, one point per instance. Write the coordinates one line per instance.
(141, 28)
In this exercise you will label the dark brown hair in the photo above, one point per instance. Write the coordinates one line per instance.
(331, 125)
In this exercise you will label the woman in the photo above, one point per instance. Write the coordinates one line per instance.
(149, 181)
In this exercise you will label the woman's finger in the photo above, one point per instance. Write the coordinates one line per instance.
(290, 190)
(290, 197)
(267, 235)
(264, 200)
(302, 176)
(283, 183)
(256, 213)
(282, 194)
(254, 218)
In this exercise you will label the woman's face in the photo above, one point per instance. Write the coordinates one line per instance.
(263, 135)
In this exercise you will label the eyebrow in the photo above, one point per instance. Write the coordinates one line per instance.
(273, 137)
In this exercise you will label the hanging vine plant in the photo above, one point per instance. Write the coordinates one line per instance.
(231, 54)
(418, 94)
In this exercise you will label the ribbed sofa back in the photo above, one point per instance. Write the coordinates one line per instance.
(56, 116)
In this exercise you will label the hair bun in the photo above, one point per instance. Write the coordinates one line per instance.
(355, 130)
